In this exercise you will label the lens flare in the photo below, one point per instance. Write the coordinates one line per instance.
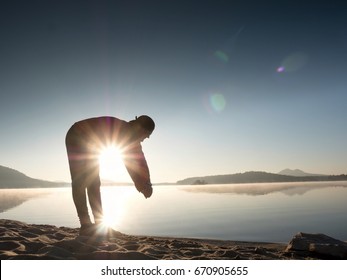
(217, 102)
(221, 56)
(293, 62)
(280, 69)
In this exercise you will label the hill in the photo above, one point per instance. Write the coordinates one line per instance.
(11, 179)
(297, 173)
(257, 177)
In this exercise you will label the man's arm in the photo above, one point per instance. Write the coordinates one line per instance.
(136, 165)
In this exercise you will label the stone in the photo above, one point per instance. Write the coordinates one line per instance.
(320, 244)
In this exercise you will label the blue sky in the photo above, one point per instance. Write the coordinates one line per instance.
(233, 86)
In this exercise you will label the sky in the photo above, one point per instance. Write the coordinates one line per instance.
(233, 86)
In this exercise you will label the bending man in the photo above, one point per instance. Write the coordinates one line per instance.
(84, 141)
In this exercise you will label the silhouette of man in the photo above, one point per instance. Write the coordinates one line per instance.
(84, 141)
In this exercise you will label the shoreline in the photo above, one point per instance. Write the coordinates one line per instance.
(32, 241)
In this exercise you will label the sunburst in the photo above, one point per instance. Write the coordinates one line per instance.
(111, 164)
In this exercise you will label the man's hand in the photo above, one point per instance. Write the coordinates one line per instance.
(145, 189)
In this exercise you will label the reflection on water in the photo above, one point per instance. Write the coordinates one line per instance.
(249, 212)
(10, 198)
(265, 188)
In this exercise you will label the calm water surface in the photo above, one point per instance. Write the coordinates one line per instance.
(250, 212)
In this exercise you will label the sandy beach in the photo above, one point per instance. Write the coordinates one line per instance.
(30, 241)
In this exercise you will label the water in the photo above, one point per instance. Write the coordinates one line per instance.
(245, 212)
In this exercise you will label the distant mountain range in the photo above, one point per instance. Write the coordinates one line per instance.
(297, 173)
(11, 179)
(286, 175)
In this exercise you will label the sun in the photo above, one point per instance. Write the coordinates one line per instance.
(111, 164)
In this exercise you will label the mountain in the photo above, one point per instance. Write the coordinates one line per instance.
(297, 173)
(11, 179)
(257, 177)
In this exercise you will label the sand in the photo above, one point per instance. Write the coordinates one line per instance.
(19, 240)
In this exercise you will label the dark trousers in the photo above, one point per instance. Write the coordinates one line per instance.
(84, 169)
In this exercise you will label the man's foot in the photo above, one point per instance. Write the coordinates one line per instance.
(111, 233)
(88, 230)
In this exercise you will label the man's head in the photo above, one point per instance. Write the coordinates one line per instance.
(144, 126)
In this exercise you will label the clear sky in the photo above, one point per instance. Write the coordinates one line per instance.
(233, 86)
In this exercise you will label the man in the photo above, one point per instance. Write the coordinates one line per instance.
(84, 142)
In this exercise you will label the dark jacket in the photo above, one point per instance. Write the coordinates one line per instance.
(86, 139)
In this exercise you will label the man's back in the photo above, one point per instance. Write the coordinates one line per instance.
(101, 130)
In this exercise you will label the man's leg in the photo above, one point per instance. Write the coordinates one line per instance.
(78, 176)
(78, 162)
(93, 189)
